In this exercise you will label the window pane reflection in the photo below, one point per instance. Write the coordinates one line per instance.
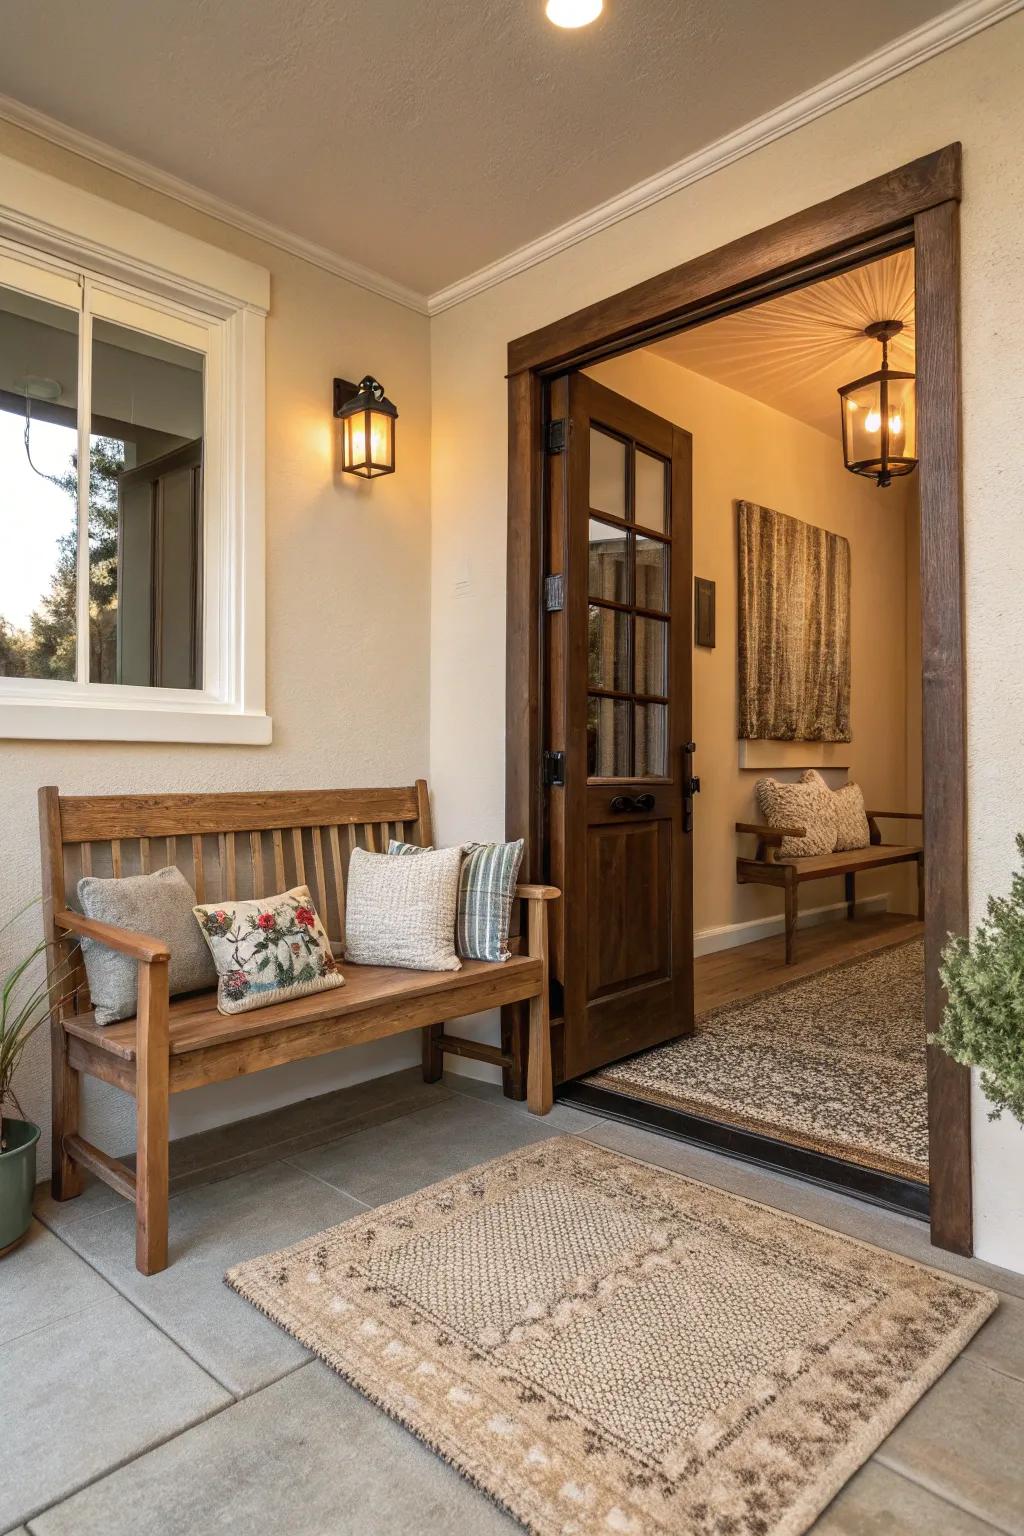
(608, 746)
(38, 487)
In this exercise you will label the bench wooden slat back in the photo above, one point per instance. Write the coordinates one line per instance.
(227, 846)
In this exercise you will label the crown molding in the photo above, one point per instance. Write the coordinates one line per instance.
(46, 127)
(896, 58)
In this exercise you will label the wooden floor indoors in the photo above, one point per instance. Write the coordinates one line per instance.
(730, 975)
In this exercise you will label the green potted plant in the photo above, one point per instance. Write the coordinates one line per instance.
(983, 1023)
(24, 1005)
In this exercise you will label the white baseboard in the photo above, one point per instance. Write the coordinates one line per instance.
(709, 940)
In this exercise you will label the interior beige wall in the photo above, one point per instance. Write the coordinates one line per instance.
(745, 450)
(348, 607)
(972, 94)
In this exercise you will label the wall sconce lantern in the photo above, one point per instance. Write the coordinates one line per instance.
(879, 421)
(367, 419)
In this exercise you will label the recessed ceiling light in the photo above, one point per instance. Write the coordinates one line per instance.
(573, 13)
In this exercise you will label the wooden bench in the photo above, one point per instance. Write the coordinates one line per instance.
(769, 867)
(242, 845)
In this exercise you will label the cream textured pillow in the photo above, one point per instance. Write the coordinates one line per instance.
(852, 830)
(810, 806)
(267, 950)
(402, 911)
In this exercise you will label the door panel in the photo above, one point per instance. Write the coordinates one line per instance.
(617, 704)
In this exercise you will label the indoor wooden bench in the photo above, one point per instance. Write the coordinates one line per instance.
(237, 846)
(769, 867)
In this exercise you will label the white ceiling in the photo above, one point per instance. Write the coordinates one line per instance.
(793, 352)
(424, 139)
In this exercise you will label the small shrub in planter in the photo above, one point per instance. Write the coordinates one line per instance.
(983, 1024)
(24, 1005)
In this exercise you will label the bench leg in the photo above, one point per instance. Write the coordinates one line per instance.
(791, 911)
(66, 1179)
(152, 1093)
(851, 895)
(539, 1087)
(433, 1056)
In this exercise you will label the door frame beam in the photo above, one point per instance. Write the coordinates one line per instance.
(916, 204)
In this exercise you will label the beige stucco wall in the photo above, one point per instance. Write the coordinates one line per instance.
(347, 619)
(971, 93)
(745, 450)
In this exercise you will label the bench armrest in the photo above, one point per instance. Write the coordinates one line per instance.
(895, 815)
(538, 892)
(138, 946)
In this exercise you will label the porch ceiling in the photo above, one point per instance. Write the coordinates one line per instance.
(423, 139)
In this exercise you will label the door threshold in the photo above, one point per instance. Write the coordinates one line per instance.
(887, 1190)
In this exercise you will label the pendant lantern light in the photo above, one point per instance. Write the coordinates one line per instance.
(879, 421)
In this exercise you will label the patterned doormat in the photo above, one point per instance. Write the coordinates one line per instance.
(608, 1349)
(835, 1063)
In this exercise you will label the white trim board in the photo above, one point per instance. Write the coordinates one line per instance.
(954, 26)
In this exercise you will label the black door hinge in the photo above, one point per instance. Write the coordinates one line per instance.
(554, 769)
(554, 593)
(556, 435)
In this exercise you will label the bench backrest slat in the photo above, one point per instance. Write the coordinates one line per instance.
(228, 846)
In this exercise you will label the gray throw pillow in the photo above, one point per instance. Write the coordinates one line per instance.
(159, 905)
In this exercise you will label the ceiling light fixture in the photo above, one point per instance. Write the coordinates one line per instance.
(879, 429)
(573, 13)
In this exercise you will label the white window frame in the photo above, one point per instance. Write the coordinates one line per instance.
(80, 251)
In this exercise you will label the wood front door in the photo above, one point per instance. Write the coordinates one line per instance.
(617, 707)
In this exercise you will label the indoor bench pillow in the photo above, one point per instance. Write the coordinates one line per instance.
(487, 886)
(401, 912)
(267, 949)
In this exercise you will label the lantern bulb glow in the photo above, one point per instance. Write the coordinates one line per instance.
(872, 421)
(573, 13)
(895, 423)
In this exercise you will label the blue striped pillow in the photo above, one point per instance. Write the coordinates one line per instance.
(487, 885)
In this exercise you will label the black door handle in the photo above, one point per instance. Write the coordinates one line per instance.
(691, 785)
(644, 802)
(621, 803)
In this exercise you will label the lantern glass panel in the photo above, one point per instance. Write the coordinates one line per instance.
(902, 420)
(863, 422)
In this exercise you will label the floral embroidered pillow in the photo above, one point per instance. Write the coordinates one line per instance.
(267, 950)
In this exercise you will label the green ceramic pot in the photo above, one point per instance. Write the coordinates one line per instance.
(17, 1180)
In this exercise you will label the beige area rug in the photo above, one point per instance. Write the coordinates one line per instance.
(835, 1062)
(608, 1349)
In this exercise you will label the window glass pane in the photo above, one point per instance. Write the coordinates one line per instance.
(609, 553)
(651, 662)
(607, 474)
(608, 649)
(651, 493)
(651, 574)
(38, 486)
(608, 738)
(650, 725)
(145, 510)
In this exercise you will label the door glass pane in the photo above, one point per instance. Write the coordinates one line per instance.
(145, 510)
(608, 738)
(607, 474)
(651, 493)
(651, 662)
(608, 649)
(652, 564)
(609, 551)
(651, 728)
(38, 486)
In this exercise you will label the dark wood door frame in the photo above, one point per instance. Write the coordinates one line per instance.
(917, 204)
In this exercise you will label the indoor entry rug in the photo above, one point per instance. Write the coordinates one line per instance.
(608, 1349)
(835, 1062)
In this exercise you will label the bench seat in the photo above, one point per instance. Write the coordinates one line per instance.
(195, 1024)
(818, 866)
